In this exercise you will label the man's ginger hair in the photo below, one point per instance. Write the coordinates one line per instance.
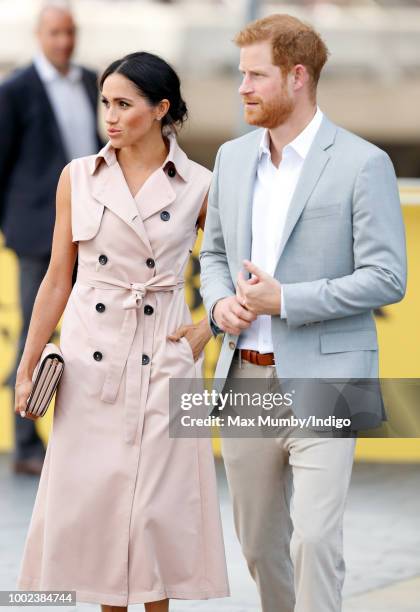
(292, 42)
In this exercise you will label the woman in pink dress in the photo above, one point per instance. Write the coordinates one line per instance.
(125, 514)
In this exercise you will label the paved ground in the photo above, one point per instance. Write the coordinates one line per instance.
(382, 542)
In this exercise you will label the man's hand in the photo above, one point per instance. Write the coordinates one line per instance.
(231, 317)
(261, 294)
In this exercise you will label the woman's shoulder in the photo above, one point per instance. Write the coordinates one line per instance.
(186, 167)
(87, 162)
(199, 171)
(82, 169)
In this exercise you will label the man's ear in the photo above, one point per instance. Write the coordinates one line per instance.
(300, 76)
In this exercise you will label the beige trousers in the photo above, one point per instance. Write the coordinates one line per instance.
(288, 498)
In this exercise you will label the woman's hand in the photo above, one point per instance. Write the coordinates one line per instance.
(23, 389)
(197, 335)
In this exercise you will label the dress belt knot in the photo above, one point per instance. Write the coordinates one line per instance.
(165, 281)
(135, 299)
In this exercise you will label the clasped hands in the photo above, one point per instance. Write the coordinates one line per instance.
(261, 294)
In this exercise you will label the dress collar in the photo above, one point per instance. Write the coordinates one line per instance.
(176, 157)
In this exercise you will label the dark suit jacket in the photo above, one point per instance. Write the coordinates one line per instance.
(32, 157)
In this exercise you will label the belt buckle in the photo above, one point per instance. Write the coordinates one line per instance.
(262, 355)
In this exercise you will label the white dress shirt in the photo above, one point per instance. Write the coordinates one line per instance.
(273, 192)
(71, 106)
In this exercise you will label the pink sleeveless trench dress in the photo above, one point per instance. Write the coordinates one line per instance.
(125, 514)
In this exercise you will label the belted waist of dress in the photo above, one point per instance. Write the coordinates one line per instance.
(165, 281)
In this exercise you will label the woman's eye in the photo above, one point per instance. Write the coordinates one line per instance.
(122, 104)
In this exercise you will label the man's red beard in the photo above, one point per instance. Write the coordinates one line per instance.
(269, 114)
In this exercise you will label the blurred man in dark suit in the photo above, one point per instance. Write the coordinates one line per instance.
(47, 117)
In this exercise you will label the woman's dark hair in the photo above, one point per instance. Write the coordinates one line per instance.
(155, 79)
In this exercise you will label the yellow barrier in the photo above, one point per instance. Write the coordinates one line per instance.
(397, 327)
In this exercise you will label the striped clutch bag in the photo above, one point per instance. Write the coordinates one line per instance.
(46, 376)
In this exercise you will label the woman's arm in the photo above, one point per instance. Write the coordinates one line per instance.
(53, 292)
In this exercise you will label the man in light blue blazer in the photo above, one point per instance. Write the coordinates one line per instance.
(312, 213)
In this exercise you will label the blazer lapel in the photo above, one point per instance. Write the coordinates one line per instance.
(50, 119)
(88, 80)
(89, 83)
(313, 167)
(110, 188)
(246, 181)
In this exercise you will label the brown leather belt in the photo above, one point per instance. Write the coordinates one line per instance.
(257, 358)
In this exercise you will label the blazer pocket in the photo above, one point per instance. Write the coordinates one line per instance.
(320, 211)
(341, 342)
